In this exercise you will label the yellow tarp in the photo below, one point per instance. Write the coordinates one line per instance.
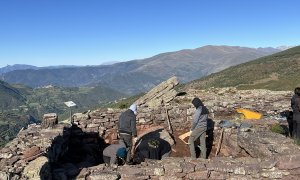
(248, 114)
(185, 135)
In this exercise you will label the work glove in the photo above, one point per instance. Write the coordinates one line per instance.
(134, 140)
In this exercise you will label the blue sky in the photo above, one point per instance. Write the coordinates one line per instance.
(90, 32)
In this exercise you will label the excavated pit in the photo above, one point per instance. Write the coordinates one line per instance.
(84, 149)
(240, 152)
(80, 150)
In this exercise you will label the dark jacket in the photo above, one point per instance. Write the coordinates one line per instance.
(127, 123)
(295, 103)
(201, 115)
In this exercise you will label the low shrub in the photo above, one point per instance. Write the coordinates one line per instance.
(277, 128)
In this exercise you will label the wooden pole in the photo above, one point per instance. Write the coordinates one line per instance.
(169, 122)
(220, 141)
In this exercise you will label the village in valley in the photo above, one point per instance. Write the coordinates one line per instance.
(149, 90)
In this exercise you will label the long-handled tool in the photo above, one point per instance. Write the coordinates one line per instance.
(169, 122)
(220, 142)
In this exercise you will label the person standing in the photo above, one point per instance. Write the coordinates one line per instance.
(295, 104)
(198, 128)
(127, 129)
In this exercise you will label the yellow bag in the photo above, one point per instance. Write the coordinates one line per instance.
(248, 114)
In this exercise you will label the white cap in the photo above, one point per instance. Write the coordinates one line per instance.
(133, 107)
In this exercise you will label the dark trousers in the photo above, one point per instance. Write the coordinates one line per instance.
(127, 138)
(291, 125)
(106, 160)
(296, 130)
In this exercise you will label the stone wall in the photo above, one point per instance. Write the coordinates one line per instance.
(36, 142)
(29, 154)
(31, 144)
(104, 121)
(179, 168)
(220, 102)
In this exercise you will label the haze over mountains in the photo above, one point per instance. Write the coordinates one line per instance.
(136, 76)
(280, 71)
(101, 84)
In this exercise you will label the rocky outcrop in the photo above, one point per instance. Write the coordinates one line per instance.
(247, 152)
(222, 102)
(160, 95)
(262, 144)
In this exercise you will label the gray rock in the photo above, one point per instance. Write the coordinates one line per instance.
(34, 168)
(5, 175)
(272, 174)
(268, 163)
(289, 162)
(198, 175)
(173, 168)
(104, 175)
(154, 170)
(127, 171)
(6, 155)
(188, 167)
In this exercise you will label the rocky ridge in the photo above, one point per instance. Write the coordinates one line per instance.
(253, 152)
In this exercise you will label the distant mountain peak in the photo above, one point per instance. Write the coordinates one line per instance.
(282, 48)
(14, 67)
(275, 72)
(110, 62)
(137, 76)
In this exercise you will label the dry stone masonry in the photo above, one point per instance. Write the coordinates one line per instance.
(49, 120)
(248, 150)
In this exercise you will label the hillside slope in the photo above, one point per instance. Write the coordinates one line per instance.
(14, 67)
(280, 71)
(21, 105)
(137, 76)
(10, 97)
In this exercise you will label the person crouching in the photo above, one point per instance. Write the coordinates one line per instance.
(115, 152)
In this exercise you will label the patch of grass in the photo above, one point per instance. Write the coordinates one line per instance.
(297, 141)
(124, 103)
(277, 128)
(182, 101)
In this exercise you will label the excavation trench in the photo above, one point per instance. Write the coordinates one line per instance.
(84, 149)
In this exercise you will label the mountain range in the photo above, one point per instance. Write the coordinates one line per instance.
(137, 76)
(21, 105)
(280, 71)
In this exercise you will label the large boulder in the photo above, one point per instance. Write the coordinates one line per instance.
(160, 95)
(38, 169)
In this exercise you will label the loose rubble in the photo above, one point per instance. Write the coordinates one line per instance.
(249, 150)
